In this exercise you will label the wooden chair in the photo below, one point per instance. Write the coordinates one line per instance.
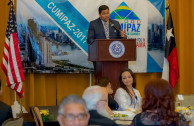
(34, 116)
(37, 116)
(13, 122)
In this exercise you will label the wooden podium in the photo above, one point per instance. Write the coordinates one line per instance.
(105, 64)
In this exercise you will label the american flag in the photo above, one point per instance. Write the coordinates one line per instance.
(11, 64)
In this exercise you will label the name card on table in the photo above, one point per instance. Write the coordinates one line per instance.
(180, 97)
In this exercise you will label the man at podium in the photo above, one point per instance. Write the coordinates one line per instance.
(104, 27)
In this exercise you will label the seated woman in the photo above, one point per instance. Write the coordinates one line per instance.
(105, 82)
(159, 106)
(126, 95)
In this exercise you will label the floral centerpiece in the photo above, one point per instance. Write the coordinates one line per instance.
(44, 115)
(191, 107)
(185, 111)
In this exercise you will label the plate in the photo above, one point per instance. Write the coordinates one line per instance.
(123, 115)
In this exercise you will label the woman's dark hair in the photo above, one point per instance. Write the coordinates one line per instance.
(102, 81)
(122, 85)
(160, 99)
(102, 7)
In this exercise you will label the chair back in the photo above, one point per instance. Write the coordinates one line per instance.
(38, 116)
(13, 122)
(34, 116)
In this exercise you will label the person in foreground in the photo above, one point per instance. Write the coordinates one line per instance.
(127, 96)
(158, 107)
(73, 112)
(105, 82)
(5, 110)
(96, 98)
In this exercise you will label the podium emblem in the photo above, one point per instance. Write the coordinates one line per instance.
(116, 49)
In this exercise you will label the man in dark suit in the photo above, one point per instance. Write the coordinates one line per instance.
(5, 110)
(104, 27)
(96, 99)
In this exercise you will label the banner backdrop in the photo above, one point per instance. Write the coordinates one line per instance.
(52, 33)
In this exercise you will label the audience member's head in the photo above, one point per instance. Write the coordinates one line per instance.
(160, 99)
(96, 98)
(104, 82)
(73, 112)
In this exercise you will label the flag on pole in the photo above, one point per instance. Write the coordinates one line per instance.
(11, 64)
(170, 67)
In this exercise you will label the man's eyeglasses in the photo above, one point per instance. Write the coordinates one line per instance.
(104, 100)
(71, 117)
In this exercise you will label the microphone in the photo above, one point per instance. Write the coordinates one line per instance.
(112, 25)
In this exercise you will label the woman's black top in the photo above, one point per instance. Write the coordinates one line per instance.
(112, 103)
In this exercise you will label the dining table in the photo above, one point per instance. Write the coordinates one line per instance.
(29, 120)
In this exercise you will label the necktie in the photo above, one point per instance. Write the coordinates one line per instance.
(106, 28)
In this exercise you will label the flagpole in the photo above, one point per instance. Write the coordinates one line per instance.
(15, 96)
(90, 79)
(21, 112)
